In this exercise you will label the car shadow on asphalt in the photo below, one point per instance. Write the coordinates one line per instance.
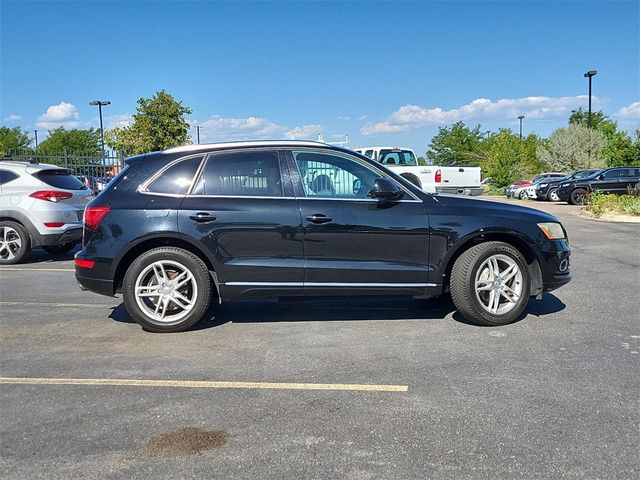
(343, 309)
(39, 256)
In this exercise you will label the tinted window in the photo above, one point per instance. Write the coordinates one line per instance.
(330, 176)
(60, 178)
(368, 153)
(247, 174)
(6, 177)
(177, 178)
(617, 173)
(397, 157)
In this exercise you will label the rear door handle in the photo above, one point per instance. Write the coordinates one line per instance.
(202, 217)
(319, 218)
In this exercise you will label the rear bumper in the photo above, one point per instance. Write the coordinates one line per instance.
(98, 279)
(72, 235)
(472, 191)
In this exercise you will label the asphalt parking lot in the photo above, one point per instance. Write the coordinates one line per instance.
(556, 395)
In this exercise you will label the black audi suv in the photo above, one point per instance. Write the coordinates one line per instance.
(178, 229)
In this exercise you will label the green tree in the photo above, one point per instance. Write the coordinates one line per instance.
(508, 158)
(456, 145)
(574, 147)
(12, 139)
(158, 124)
(75, 142)
(619, 148)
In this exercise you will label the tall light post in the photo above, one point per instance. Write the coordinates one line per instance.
(100, 104)
(520, 117)
(198, 133)
(36, 132)
(590, 74)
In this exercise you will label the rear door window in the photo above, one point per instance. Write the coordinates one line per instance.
(60, 178)
(245, 174)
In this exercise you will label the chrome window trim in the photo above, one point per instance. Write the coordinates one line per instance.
(346, 156)
(328, 284)
(143, 187)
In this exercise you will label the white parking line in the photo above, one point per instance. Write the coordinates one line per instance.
(124, 382)
(13, 269)
(44, 304)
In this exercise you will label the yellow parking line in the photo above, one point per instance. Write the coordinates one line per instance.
(43, 304)
(13, 269)
(123, 382)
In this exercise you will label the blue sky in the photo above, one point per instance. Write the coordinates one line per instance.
(382, 72)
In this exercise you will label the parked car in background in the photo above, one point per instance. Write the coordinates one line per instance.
(429, 178)
(547, 189)
(90, 182)
(40, 206)
(178, 228)
(617, 180)
(519, 189)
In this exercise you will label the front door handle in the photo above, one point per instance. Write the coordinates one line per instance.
(319, 218)
(202, 217)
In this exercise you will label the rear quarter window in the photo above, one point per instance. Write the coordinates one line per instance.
(177, 178)
(60, 178)
(6, 177)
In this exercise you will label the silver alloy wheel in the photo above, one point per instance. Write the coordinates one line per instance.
(498, 284)
(166, 291)
(10, 243)
(553, 195)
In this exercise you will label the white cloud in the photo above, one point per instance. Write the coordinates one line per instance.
(306, 132)
(62, 115)
(344, 118)
(630, 112)
(409, 117)
(13, 118)
(119, 121)
(218, 128)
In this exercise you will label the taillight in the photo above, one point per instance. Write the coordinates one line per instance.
(51, 195)
(84, 263)
(438, 176)
(94, 215)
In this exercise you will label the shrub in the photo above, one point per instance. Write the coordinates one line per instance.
(601, 203)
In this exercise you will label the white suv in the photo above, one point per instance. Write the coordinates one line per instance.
(40, 206)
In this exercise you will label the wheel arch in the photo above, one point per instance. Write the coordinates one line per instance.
(517, 241)
(161, 240)
(19, 217)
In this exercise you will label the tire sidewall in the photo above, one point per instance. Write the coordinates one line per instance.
(515, 313)
(189, 261)
(553, 192)
(574, 193)
(25, 247)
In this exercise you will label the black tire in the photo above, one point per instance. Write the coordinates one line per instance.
(552, 196)
(12, 253)
(463, 287)
(187, 261)
(59, 249)
(413, 179)
(578, 196)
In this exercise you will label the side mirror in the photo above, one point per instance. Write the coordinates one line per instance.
(600, 177)
(386, 189)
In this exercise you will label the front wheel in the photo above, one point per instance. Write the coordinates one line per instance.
(490, 284)
(167, 289)
(523, 195)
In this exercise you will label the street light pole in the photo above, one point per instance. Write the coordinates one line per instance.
(36, 132)
(520, 117)
(590, 74)
(198, 133)
(100, 104)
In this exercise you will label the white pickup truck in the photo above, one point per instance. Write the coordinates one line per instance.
(430, 178)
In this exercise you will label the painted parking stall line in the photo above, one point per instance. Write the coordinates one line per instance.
(14, 269)
(56, 305)
(124, 382)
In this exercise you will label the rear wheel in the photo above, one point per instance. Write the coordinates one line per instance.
(59, 249)
(413, 179)
(15, 244)
(490, 284)
(553, 195)
(578, 196)
(167, 289)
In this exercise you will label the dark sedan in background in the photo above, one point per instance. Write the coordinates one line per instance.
(617, 180)
(548, 189)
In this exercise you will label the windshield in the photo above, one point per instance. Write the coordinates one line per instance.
(397, 157)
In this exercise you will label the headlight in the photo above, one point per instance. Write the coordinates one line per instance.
(552, 230)
(542, 185)
(564, 185)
